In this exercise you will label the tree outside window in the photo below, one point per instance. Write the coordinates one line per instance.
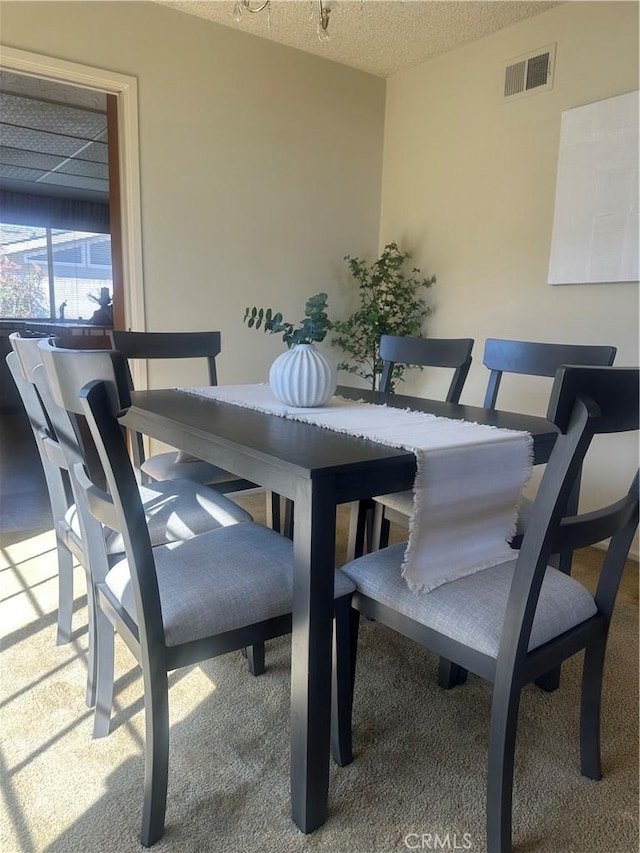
(52, 273)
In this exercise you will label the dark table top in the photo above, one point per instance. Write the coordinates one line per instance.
(303, 449)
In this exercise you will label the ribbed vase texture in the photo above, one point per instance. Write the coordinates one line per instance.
(302, 377)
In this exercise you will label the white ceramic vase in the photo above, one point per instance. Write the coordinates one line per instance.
(302, 377)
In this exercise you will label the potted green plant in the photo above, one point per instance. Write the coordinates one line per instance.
(302, 376)
(391, 303)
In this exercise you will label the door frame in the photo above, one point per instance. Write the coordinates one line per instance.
(125, 88)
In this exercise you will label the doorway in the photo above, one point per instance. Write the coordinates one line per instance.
(120, 94)
(60, 246)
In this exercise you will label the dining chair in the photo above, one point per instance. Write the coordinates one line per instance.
(536, 358)
(504, 356)
(171, 345)
(174, 511)
(177, 605)
(511, 623)
(68, 547)
(453, 353)
(178, 463)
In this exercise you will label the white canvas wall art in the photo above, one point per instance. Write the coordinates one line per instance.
(595, 226)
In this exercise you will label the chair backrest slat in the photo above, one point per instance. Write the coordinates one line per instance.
(612, 391)
(427, 352)
(97, 501)
(101, 409)
(589, 528)
(533, 358)
(155, 345)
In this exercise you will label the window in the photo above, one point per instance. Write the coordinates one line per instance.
(52, 273)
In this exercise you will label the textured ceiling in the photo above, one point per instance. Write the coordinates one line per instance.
(53, 138)
(378, 36)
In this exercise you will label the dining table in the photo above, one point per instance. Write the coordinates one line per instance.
(318, 469)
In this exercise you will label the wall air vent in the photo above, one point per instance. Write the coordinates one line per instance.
(532, 72)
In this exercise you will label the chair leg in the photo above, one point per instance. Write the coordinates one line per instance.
(450, 674)
(92, 650)
(550, 681)
(379, 527)
(385, 532)
(359, 528)
(255, 658)
(345, 643)
(287, 529)
(156, 760)
(65, 594)
(502, 739)
(590, 703)
(370, 520)
(105, 638)
(273, 511)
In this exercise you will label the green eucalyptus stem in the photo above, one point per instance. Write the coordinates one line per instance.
(313, 328)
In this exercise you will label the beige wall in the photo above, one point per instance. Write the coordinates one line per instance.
(260, 164)
(261, 168)
(468, 186)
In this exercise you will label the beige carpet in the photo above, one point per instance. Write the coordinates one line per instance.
(417, 781)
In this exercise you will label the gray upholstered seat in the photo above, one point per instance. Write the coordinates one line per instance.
(215, 583)
(471, 610)
(399, 501)
(175, 510)
(171, 465)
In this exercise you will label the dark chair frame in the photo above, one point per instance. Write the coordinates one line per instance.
(160, 345)
(587, 401)
(156, 345)
(58, 487)
(66, 442)
(538, 358)
(427, 352)
(98, 406)
(535, 358)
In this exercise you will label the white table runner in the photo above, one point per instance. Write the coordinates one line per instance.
(468, 483)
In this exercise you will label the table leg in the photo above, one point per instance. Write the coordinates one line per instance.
(314, 559)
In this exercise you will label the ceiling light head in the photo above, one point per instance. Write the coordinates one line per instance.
(320, 9)
(324, 11)
(240, 5)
